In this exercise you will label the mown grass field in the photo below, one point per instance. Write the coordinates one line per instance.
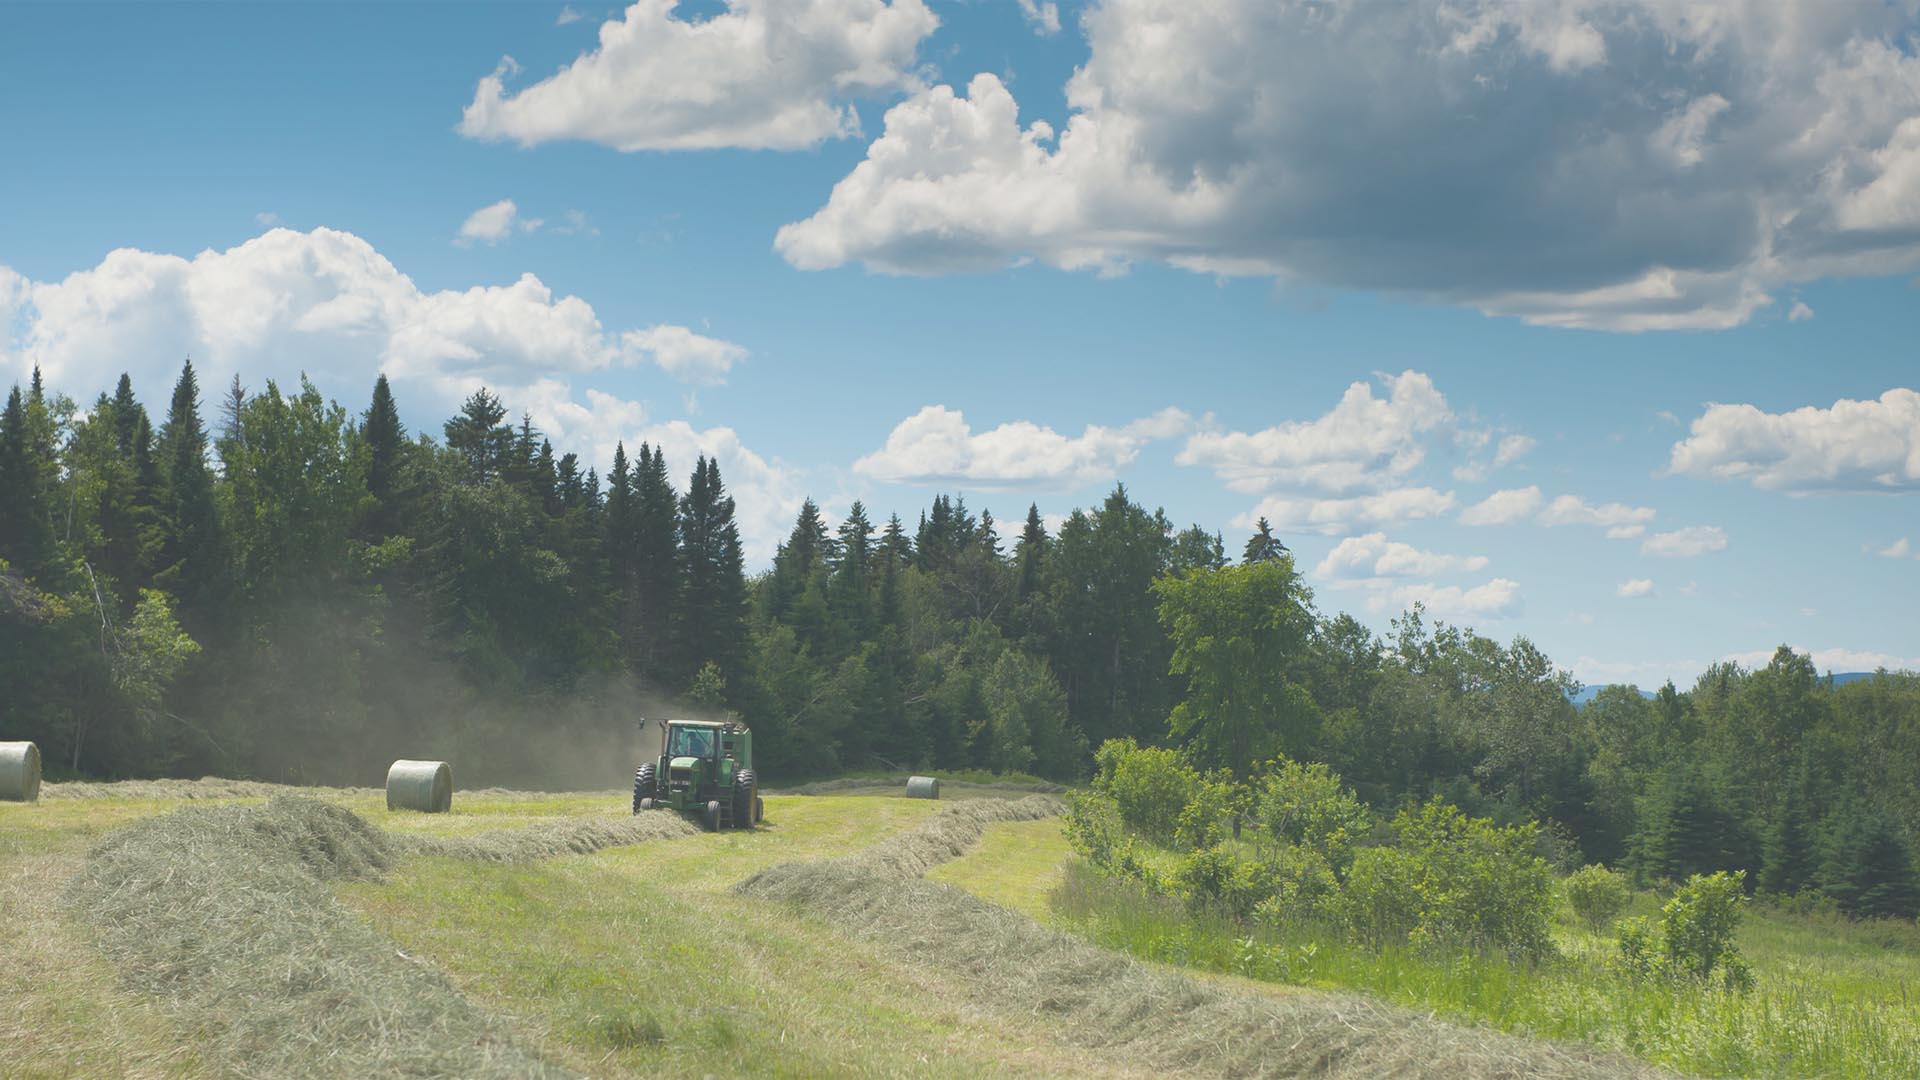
(643, 960)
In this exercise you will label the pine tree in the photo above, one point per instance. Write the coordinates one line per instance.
(480, 437)
(1866, 866)
(26, 535)
(190, 552)
(1789, 859)
(386, 442)
(1030, 554)
(656, 562)
(713, 605)
(850, 591)
(1263, 546)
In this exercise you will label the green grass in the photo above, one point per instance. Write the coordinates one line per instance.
(1832, 1000)
(641, 961)
(1017, 864)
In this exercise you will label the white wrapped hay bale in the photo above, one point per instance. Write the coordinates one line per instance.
(19, 772)
(923, 787)
(426, 786)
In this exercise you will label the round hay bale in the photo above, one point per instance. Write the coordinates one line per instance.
(19, 772)
(426, 786)
(923, 787)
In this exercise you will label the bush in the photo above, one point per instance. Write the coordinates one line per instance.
(1301, 887)
(1150, 787)
(1215, 878)
(1096, 832)
(1598, 896)
(1306, 806)
(1216, 803)
(1694, 939)
(1452, 880)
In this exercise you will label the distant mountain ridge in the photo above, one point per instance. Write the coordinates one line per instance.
(1588, 693)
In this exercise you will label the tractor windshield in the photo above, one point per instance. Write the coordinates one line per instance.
(690, 742)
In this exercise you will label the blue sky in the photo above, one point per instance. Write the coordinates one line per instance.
(1649, 274)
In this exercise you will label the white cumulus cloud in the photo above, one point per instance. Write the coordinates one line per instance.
(1635, 587)
(937, 445)
(757, 75)
(1613, 164)
(1042, 15)
(1374, 556)
(1503, 507)
(1497, 599)
(1331, 517)
(1896, 550)
(1364, 441)
(1692, 540)
(685, 355)
(1615, 517)
(494, 223)
(1852, 446)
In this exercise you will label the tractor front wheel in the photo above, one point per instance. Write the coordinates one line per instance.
(711, 819)
(643, 787)
(745, 790)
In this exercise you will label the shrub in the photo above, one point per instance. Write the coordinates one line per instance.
(1301, 887)
(1214, 877)
(1452, 880)
(1150, 787)
(1216, 802)
(1598, 896)
(1305, 805)
(1096, 832)
(1694, 939)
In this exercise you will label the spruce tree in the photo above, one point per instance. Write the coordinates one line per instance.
(1030, 554)
(713, 604)
(386, 442)
(26, 535)
(190, 553)
(480, 436)
(1263, 546)
(1789, 859)
(1866, 866)
(656, 562)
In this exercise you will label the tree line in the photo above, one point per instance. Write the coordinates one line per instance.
(286, 590)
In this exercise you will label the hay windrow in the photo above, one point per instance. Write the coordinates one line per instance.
(226, 913)
(582, 836)
(1004, 961)
(891, 785)
(215, 787)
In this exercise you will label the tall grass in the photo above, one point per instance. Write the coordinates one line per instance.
(1832, 1000)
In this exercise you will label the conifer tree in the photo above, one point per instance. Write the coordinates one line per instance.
(1030, 554)
(1866, 866)
(480, 436)
(713, 609)
(190, 553)
(26, 535)
(1789, 859)
(386, 442)
(1263, 546)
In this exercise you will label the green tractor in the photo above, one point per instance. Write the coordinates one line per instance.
(705, 769)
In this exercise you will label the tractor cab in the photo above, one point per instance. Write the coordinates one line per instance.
(705, 769)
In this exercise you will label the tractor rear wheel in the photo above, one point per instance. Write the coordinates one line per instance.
(643, 786)
(711, 819)
(745, 788)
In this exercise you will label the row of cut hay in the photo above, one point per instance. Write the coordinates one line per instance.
(207, 787)
(214, 787)
(892, 784)
(1100, 999)
(582, 836)
(227, 914)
